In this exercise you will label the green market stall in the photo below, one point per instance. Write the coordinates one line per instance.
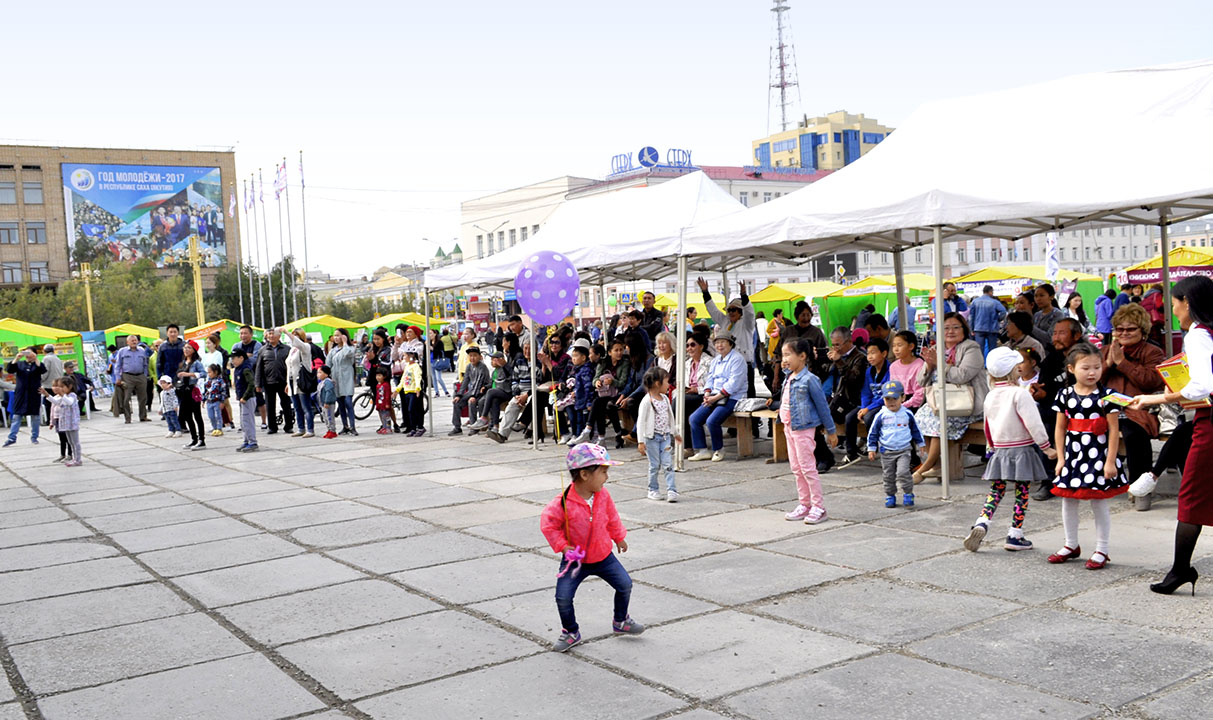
(784, 296)
(116, 335)
(16, 335)
(322, 325)
(229, 332)
(841, 306)
(1010, 280)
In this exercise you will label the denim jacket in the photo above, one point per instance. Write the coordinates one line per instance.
(807, 403)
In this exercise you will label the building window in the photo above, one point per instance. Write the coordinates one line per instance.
(1073, 254)
(960, 255)
(479, 246)
(784, 145)
(1027, 254)
(500, 240)
(8, 233)
(867, 257)
(39, 272)
(778, 194)
(744, 197)
(837, 137)
(884, 258)
(11, 272)
(976, 254)
(766, 197)
(918, 255)
(872, 138)
(534, 230)
(32, 192)
(524, 232)
(1124, 252)
(838, 155)
(513, 238)
(8, 193)
(1086, 253)
(35, 233)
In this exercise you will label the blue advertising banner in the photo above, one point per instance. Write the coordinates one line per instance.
(127, 212)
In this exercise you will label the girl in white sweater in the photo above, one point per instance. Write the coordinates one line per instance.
(656, 431)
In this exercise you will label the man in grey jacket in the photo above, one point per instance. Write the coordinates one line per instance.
(475, 383)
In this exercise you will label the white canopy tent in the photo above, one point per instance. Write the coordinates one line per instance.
(1126, 147)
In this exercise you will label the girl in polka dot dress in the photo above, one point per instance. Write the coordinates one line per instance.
(1087, 438)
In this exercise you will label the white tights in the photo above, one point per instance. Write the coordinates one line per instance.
(1102, 509)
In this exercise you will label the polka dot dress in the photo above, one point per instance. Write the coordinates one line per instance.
(1086, 447)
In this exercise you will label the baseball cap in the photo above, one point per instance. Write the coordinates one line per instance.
(589, 455)
(497, 355)
(581, 343)
(166, 379)
(892, 389)
(473, 349)
(1002, 360)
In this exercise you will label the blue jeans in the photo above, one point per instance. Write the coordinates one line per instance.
(214, 411)
(713, 416)
(437, 381)
(660, 451)
(35, 421)
(345, 410)
(609, 569)
(174, 422)
(987, 340)
(305, 415)
(577, 420)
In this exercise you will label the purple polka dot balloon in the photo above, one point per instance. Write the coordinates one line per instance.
(546, 286)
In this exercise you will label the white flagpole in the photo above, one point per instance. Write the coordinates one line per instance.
(252, 303)
(281, 249)
(303, 205)
(286, 188)
(256, 247)
(269, 274)
(239, 257)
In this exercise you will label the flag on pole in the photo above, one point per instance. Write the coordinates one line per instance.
(280, 181)
(1052, 261)
(231, 204)
(248, 201)
(301, 184)
(261, 194)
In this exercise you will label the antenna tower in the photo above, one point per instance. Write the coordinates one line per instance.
(783, 61)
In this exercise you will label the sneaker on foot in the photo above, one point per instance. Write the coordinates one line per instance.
(567, 640)
(1143, 485)
(297, 434)
(1017, 543)
(654, 495)
(718, 456)
(890, 501)
(330, 435)
(627, 627)
(495, 437)
(798, 513)
(815, 516)
(977, 533)
(699, 456)
(454, 432)
(9, 442)
(171, 434)
(908, 500)
(671, 496)
(308, 434)
(252, 448)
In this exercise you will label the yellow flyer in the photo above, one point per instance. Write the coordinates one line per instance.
(1174, 372)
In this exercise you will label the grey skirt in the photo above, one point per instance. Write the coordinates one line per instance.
(1015, 464)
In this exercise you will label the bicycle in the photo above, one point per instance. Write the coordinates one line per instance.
(364, 403)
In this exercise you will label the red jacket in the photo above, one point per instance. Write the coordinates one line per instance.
(593, 530)
(383, 396)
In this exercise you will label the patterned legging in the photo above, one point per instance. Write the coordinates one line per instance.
(998, 488)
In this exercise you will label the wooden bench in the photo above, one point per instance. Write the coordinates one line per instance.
(744, 421)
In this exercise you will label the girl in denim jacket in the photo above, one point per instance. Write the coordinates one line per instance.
(802, 410)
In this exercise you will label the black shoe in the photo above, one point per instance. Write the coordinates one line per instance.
(344, 431)
(455, 432)
(496, 437)
(1172, 582)
(618, 442)
(271, 431)
(1044, 492)
(823, 468)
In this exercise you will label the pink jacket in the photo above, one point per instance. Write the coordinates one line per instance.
(592, 530)
(907, 375)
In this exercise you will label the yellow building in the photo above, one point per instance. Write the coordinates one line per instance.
(826, 142)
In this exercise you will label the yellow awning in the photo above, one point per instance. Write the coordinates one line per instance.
(146, 333)
(28, 328)
(780, 292)
(325, 320)
(885, 284)
(1178, 257)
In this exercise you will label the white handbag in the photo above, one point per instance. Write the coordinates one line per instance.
(959, 399)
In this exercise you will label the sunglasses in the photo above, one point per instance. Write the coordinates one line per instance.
(1127, 329)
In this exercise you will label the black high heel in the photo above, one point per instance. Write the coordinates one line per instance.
(1171, 583)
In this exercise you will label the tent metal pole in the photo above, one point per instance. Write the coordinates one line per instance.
(534, 387)
(429, 359)
(941, 363)
(899, 272)
(680, 368)
(1165, 245)
(724, 283)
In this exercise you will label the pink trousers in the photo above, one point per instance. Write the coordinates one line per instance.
(804, 466)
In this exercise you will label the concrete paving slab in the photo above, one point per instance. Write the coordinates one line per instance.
(1073, 656)
(211, 493)
(521, 532)
(326, 610)
(144, 519)
(247, 687)
(375, 659)
(535, 612)
(351, 473)
(650, 512)
(753, 525)
(35, 516)
(218, 554)
(955, 518)
(317, 514)
(866, 547)
(36, 556)
(72, 578)
(867, 505)
(360, 531)
(111, 494)
(418, 551)
(880, 612)
(50, 532)
(378, 486)
(103, 656)
(114, 506)
(271, 501)
(741, 576)
(1189, 701)
(138, 541)
(545, 676)
(462, 516)
(654, 546)
(697, 714)
(483, 578)
(265, 579)
(413, 501)
(755, 492)
(1020, 576)
(901, 688)
(11, 711)
(550, 482)
(17, 492)
(721, 653)
(19, 505)
(82, 612)
(1130, 601)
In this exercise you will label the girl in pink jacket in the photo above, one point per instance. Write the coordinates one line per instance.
(580, 525)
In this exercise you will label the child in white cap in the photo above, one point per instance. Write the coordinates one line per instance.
(1013, 427)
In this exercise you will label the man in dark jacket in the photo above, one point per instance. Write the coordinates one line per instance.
(26, 402)
(475, 383)
(168, 357)
(251, 349)
(846, 379)
(271, 377)
(651, 318)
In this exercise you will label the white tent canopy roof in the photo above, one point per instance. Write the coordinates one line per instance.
(1107, 147)
(631, 234)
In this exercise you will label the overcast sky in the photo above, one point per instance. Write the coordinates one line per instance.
(404, 109)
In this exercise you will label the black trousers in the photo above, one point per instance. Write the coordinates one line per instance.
(274, 393)
(1139, 455)
(191, 414)
(1174, 452)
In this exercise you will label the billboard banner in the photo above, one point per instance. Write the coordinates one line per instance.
(127, 212)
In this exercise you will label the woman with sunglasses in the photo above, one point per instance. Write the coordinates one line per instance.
(1128, 368)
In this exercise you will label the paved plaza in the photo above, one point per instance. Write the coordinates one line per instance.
(387, 577)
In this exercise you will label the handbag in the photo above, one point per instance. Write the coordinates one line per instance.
(608, 391)
(442, 364)
(196, 394)
(959, 399)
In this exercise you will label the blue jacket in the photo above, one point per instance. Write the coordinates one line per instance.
(1121, 299)
(728, 374)
(956, 304)
(327, 392)
(870, 395)
(986, 314)
(894, 431)
(583, 378)
(1103, 314)
(807, 403)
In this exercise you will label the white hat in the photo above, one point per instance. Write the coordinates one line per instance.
(166, 379)
(1002, 360)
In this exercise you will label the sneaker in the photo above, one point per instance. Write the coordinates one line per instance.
(654, 494)
(471, 431)
(1144, 485)
(627, 627)
(595, 439)
(34, 441)
(908, 500)
(330, 435)
(798, 514)
(454, 432)
(263, 426)
(850, 460)
(1044, 492)
(815, 516)
(495, 437)
(567, 640)
(354, 433)
(480, 424)
(1017, 543)
(77, 463)
(419, 432)
(518, 427)
(297, 434)
(700, 456)
(252, 448)
(387, 431)
(171, 434)
(977, 533)
(890, 501)
(9, 442)
(307, 434)
(199, 446)
(671, 496)
(718, 456)
(189, 446)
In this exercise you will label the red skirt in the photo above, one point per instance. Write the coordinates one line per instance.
(1196, 489)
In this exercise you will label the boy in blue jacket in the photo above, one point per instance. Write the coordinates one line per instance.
(582, 380)
(890, 435)
(870, 394)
